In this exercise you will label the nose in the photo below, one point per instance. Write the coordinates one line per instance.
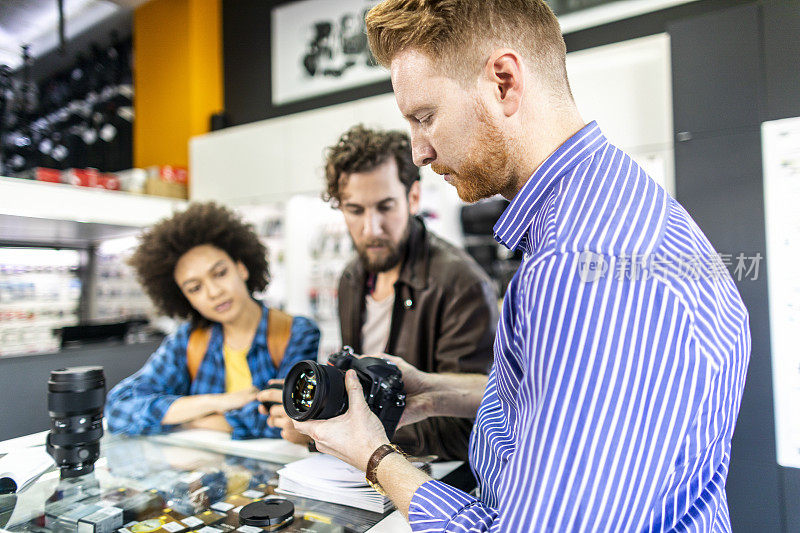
(421, 150)
(372, 224)
(213, 290)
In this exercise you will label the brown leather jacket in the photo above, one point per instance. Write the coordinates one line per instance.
(444, 319)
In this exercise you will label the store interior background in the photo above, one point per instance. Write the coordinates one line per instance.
(683, 86)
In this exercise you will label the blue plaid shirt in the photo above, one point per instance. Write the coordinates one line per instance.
(138, 403)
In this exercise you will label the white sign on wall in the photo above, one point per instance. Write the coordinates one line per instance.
(320, 47)
(781, 152)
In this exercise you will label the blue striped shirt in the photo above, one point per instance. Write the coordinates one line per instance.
(620, 361)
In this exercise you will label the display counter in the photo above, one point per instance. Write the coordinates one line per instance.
(155, 485)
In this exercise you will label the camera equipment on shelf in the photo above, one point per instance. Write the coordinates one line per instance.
(75, 400)
(316, 392)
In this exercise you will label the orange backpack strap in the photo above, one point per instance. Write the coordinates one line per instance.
(279, 328)
(196, 349)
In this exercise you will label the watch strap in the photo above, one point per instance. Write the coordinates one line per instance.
(372, 465)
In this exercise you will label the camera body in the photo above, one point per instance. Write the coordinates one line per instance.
(382, 382)
(317, 392)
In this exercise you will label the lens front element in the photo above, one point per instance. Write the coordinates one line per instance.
(304, 390)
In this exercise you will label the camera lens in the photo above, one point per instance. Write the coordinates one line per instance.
(314, 392)
(75, 400)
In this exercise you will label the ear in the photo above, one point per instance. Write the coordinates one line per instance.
(413, 198)
(504, 69)
(242, 270)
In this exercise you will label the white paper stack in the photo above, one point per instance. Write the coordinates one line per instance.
(21, 467)
(326, 478)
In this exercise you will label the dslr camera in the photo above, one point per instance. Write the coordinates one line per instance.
(317, 392)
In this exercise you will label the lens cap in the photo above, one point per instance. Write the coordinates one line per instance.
(265, 513)
(76, 378)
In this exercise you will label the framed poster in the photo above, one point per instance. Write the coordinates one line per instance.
(320, 47)
(781, 151)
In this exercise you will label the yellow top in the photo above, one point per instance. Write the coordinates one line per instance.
(237, 373)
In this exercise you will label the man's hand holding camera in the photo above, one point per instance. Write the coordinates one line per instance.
(357, 421)
(351, 430)
(352, 436)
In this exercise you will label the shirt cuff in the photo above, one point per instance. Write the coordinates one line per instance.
(248, 423)
(435, 504)
(155, 414)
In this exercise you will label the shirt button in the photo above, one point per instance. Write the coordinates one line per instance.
(408, 303)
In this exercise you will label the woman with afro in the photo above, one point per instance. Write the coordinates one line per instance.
(204, 265)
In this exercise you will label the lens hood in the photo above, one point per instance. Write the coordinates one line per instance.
(314, 392)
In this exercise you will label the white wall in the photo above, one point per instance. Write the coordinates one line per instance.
(625, 86)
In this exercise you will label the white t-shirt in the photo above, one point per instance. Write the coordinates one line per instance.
(378, 321)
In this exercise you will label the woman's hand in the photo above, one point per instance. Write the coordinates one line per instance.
(278, 417)
(231, 401)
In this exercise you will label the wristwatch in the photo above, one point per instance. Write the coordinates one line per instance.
(374, 460)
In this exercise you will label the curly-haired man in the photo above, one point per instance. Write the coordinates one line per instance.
(204, 265)
(408, 293)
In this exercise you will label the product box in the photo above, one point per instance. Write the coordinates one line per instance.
(134, 504)
(50, 175)
(68, 521)
(81, 177)
(232, 504)
(105, 520)
(218, 528)
(132, 180)
(169, 174)
(167, 522)
(157, 187)
(107, 181)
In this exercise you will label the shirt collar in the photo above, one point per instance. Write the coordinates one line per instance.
(512, 226)
(261, 333)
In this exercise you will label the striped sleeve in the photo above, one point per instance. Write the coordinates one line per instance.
(437, 506)
(612, 383)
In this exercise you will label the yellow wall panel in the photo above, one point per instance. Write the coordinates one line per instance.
(177, 77)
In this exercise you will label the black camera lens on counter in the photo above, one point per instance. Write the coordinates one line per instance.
(317, 392)
(75, 400)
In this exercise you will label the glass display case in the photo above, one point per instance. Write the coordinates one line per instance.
(143, 486)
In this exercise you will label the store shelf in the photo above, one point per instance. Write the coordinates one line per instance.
(33, 212)
(64, 202)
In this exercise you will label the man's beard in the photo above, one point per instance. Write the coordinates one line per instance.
(392, 259)
(485, 171)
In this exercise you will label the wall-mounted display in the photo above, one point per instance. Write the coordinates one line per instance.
(320, 47)
(781, 151)
(40, 291)
(77, 119)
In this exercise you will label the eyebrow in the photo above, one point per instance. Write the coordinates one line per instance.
(379, 202)
(418, 110)
(194, 280)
